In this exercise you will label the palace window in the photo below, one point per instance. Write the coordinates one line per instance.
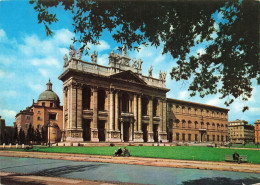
(38, 126)
(189, 110)
(177, 136)
(196, 137)
(155, 107)
(217, 137)
(28, 117)
(196, 124)
(177, 123)
(39, 112)
(51, 104)
(208, 125)
(207, 137)
(213, 137)
(213, 125)
(177, 108)
(189, 137)
(27, 125)
(183, 123)
(43, 104)
(183, 137)
(201, 112)
(189, 124)
(196, 111)
(222, 138)
(183, 110)
(52, 116)
(38, 118)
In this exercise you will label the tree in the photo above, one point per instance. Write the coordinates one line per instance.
(15, 138)
(232, 52)
(43, 135)
(21, 136)
(37, 136)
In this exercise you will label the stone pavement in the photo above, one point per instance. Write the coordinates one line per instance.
(202, 165)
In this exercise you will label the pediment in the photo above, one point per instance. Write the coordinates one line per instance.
(128, 76)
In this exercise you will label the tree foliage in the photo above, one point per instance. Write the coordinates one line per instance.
(232, 51)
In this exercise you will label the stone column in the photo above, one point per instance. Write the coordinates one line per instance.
(150, 132)
(122, 130)
(79, 107)
(135, 113)
(111, 110)
(138, 135)
(95, 115)
(64, 107)
(163, 135)
(116, 111)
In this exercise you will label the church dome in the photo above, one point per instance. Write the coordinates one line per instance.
(48, 94)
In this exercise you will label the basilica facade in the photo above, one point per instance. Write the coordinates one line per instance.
(115, 103)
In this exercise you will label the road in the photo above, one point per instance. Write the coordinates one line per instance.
(110, 172)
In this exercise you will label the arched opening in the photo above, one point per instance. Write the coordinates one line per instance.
(125, 102)
(145, 102)
(155, 107)
(86, 130)
(86, 97)
(101, 99)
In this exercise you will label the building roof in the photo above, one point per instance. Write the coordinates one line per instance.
(196, 104)
(48, 94)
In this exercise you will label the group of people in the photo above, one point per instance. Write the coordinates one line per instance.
(121, 152)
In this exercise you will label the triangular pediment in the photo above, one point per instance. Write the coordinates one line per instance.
(128, 76)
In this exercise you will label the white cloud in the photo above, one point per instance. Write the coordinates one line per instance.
(159, 58)
(201, 51)
(103, 45)
(103, 60)
(44, 72)
(6, 75)
(6, 59)
(2, 35)
(7, 113)
(10, 93)
(214, 101)
(36, 87)
(183, 95)
(255, 109)
(63, 37)
(45, 61)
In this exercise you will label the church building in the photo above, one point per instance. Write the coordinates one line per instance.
(117, 103)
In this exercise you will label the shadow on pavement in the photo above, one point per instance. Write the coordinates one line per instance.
(62, 170)
(11, 180)
(223, 181)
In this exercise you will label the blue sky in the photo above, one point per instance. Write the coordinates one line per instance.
(28, 58)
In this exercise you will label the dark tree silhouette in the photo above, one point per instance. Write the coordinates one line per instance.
(232, 52)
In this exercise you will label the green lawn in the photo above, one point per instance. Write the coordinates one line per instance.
(175, 152)
(245, 146)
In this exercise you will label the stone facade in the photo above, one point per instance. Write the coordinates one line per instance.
(241, 132)
(112, 104)
(195, 122)
(116, 103)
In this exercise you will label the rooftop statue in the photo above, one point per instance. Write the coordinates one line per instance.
(160, 75)
(140, 62)
(94, 57)
(112, 53)
(164, 76)
(124, 50)
(134, 63)
(150, 71)
(72, 52)
(65, 58)
(79, 53)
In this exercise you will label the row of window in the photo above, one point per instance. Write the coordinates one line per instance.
(202, 125)
(196, 137)
(197, 111)
(28, 124)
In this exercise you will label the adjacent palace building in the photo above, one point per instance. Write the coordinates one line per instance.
(119, 104)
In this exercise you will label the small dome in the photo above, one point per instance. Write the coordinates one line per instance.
(48, 95)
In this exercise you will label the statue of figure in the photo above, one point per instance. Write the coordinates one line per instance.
(150, 71)
(140, 62)
(164, 76)
(94, 57)
(65, 58)
(72, 52)
(117, 57)
(160, 75)
(134, 63)
(79, 53)
(124, 52)
(112, 53)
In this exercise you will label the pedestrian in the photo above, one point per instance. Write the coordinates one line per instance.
(126, 152)
(236, 157)
(118, 152)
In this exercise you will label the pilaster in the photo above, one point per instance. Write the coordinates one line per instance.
(138, 134)
(94, 135)
(150, 131)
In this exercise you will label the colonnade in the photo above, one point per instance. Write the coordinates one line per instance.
(122, 115)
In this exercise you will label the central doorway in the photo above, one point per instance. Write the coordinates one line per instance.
(126, 127)
(155, 133)
(145, 132)
(86, 130)
(101, 130)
